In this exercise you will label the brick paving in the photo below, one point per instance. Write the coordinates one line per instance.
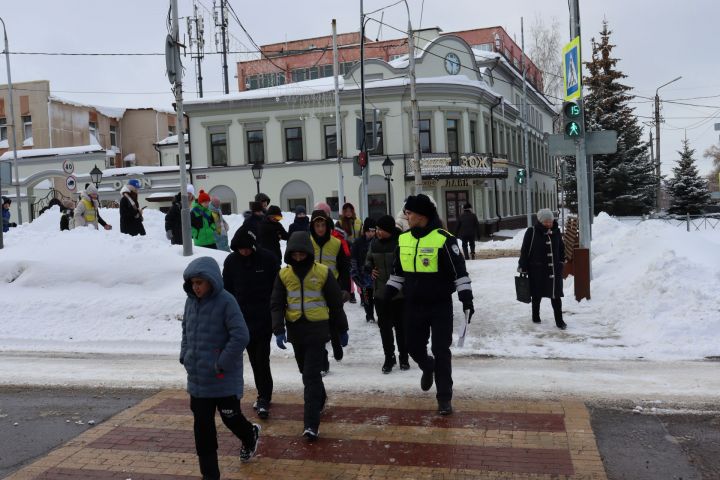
(361, 437)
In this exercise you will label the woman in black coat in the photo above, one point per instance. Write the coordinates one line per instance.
(542, 257)
(131, 215)
(468, 229)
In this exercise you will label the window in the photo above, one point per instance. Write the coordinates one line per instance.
(3, 129)
(330, 141)
(293, 203)
(378, 150)
(92, 126)
(27, 126)
(293, 144)
(255, 146)
(425, 143)
(485, 47)
(218, 149)
(264, 80)
(452, 139)
(113, 136)
(473, 142)
(172, 130)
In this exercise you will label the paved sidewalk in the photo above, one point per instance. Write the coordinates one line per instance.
(362, 436)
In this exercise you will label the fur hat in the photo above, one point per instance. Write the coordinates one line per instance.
(243, 238)
(203, 197)
(368, 224)
(545, 214)
(387, 223)
(190, 189)
(422, 205)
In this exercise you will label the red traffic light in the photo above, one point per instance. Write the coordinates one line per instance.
(362, 159)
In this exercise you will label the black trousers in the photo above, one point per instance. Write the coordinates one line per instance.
(258, 350)
(433, 322)
(368, 301)
(556, 305)
(392, 326)
(310, 357)
(206, 434)
(465, 242)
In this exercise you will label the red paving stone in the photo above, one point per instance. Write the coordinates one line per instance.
(535, 422)
(85, 474)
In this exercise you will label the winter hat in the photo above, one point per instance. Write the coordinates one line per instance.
(256, 207)
(300, 210)
(545, 214)
(6, 201)
(322, 206)
(190, 189)
(261, 197)
(319, 215)
(243, 238)
(299, 242)
(135, 183)
(91, 190)
(215, 202)
(467, 206)
(274, 211)
(422, 205)
(386, 223)
(369, 224)
(203, 197)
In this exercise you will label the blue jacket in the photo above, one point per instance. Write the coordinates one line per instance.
(5, 220)
(214, 336)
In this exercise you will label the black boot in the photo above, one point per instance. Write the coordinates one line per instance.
(536, 310)
(209, 466)
(557, 312)
(444, 407)
(390, 362)
(404, 362)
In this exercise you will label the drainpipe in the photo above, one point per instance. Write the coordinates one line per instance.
(157, 133)
(50, 121)
(492, 147)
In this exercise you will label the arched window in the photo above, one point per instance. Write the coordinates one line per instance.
(228, 199)
(294, 193)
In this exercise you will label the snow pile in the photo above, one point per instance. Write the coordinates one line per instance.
(654, 295)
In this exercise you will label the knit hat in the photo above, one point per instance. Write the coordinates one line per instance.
(135, 183)
(322, 206)
(261, 197)
(190, 189)
(300, 210)
(545, 214)
(255, 207)
(422, 205)
(274, 211)
(203, 197)
(386, 223)
(467, 206)
(368, 224)
(243, 238)
(91, 190)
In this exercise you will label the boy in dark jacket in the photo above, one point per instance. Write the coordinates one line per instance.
(468, 229)
(357, 269)
(271, 231)
(214, 335)
(131, 215)
(301, 222)
(249, 274)
(306, 299)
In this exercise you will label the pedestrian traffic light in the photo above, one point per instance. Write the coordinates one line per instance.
(362, 159)
(572, 116)
(520, 176)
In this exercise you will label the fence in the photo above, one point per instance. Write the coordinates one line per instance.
(693, 223)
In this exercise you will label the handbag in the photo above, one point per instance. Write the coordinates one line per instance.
(522, 288)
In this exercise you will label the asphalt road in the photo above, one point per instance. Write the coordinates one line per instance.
(651, 445)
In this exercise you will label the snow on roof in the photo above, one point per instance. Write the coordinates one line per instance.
(112, 112)
(308, 87)
(117, 172)
(172, 140)
(4, 143)
(51, 152)
(28, 142)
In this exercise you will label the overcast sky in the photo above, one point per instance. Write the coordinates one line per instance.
(656, 42)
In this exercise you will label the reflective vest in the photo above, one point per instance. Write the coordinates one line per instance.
(327, 254)
(420, 254)
(306, 297)
(90, 214)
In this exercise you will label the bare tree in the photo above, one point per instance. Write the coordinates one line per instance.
(545, 52)
(713, 181)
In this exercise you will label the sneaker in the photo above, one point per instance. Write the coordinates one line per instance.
(426, 381)
(444, 407)
(352, 298)
(246, 453)
(311, 434)
(389, 364)
(262, 407)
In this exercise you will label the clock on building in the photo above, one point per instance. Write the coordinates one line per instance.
(452, 63)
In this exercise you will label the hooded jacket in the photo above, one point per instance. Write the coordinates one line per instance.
(173, 220)
(342, 259)
(214, 335)
(86, 211)
(300, 224)
(131, 219)
(381, 256)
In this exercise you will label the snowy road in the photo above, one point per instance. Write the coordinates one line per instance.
(684, 382)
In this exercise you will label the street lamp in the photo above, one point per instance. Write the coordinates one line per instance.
(387, 167)
(257, 170)
(96, 176)
(657, 142)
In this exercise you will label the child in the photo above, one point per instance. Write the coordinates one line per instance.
(202, 223)
(214, 335)
(306, 297)
(6, 224)
(221, 226)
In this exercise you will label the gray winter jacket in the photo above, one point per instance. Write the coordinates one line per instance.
(214, 336)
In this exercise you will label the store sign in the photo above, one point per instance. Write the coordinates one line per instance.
(470, 165)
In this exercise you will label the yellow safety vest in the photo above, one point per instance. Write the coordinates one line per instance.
(90, 214)
(327, 254)
(421, 255)
(306, 298)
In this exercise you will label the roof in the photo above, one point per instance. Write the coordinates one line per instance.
(172, 140)
(52, 152)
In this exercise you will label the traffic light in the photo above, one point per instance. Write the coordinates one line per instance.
(520, 176)
(362, 159)
(573, 124)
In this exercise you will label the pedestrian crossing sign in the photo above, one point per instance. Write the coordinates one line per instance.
(572, 81)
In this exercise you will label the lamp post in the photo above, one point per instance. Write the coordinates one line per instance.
(387, 167)
(12, 124)
(257, 171)
(96, 176)
(657, 142)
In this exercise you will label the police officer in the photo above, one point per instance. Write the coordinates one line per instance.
(428, 268)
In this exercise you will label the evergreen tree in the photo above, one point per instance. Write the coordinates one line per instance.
(689, 191)
(625, 181)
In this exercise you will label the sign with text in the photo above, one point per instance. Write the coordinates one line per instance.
(572, 81)
(468, 165)
(68, 167)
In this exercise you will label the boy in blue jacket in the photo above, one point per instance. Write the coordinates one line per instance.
(214, 335)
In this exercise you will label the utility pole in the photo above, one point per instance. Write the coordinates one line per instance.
(12, 127)
(526, 156)
(657, 142)
(223, 28)
(363, 150)
(338, 124)
(196, 31)
(414, 109)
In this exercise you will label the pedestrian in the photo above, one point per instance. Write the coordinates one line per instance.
(468, 229)
(337, 232)
(173, 218)
(271, 231)
(67, 220)
(6, 223)
(390, 311)
(214, 335)
(328, 251)
(264, 201)
(542, 257)
(100, 220)
(202, 223)
(256, 216)
(401, 221)
(306, 299)
(221, 226)
(358, 273)
(428, 268)
(301, 223)
(249, 274)
(131, 215)
(86, 211)
(350, 223)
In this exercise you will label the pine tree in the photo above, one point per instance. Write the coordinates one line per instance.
(625, 181)
(689, 191)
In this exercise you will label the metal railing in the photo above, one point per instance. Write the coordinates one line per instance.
(709, 221)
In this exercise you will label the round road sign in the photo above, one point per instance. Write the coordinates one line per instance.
(68, 167)
(71, 183)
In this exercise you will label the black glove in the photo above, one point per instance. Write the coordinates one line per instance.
(390, 292)
(468, 306)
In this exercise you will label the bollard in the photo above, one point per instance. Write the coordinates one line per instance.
(687, 220)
